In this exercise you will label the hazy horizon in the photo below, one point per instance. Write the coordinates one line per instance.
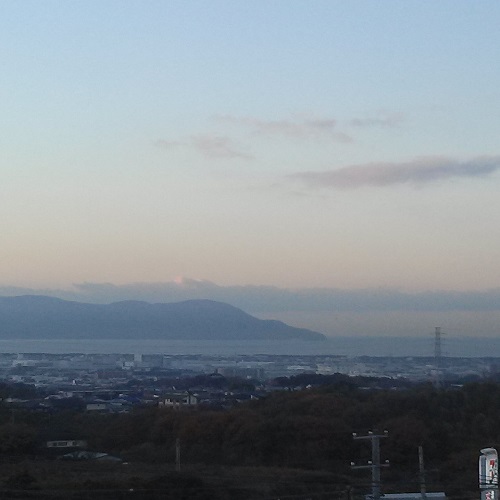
(333, 312)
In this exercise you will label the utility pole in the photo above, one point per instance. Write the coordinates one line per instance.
(374, 464)
(421, 473)
(178, 455)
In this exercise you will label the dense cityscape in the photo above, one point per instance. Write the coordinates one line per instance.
(91, 372)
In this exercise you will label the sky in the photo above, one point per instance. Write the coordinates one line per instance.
(168, 149)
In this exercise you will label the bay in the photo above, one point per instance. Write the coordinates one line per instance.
(341, 346)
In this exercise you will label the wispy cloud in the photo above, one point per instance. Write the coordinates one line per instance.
(381, 119)
(418, 172)
(209, 146)
(297, 128)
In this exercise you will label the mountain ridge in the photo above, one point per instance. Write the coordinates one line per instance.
(46, 317)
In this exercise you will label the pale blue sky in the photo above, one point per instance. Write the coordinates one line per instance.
(339, 144)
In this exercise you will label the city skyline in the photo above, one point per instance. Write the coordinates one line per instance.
(344, 146)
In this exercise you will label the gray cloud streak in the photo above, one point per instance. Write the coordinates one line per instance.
(299, 128)
(209, 146)
(418, 172)
(381, 119)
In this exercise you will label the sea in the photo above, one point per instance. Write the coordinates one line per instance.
(465, 347)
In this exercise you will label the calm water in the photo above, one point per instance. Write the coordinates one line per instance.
(349, 346)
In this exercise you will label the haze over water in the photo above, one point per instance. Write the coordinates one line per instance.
(344, 346)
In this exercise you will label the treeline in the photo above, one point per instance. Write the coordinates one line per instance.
(307, 429)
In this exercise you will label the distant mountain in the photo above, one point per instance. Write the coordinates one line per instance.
(42, 317)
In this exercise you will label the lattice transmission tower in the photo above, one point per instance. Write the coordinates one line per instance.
(438, 356)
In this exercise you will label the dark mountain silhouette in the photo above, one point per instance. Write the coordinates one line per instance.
(41, 317)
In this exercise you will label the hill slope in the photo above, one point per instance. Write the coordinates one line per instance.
(41, 317)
